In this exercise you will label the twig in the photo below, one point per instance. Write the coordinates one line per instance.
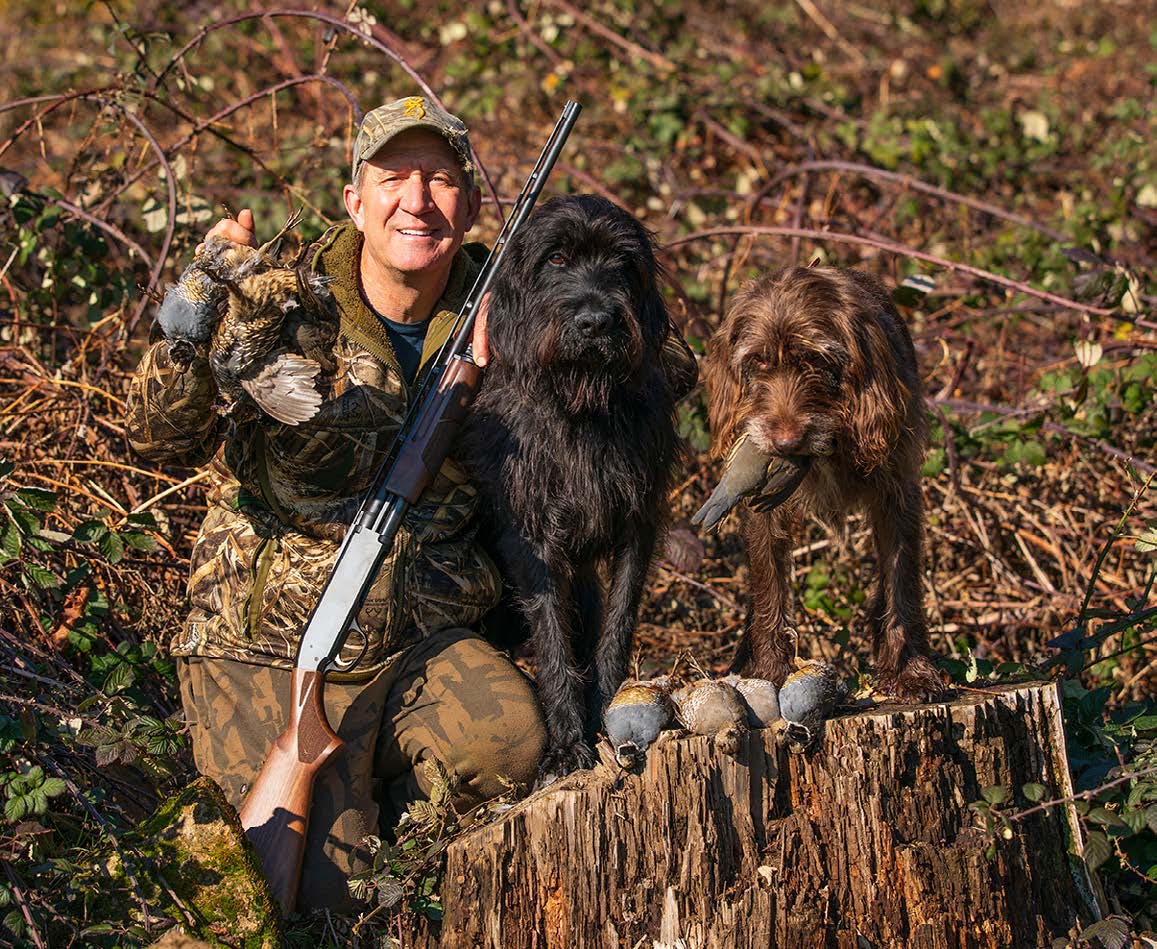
(1083, 795)
(916, 184)
(532, 35)
(721, 597)
(831, 32)
(660, 62)
(893, 248)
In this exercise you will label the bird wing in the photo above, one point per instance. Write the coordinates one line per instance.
(284, 388)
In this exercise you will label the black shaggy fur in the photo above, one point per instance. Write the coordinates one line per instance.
(571, 441)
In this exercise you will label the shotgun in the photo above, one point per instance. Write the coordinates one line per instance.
(275, 815)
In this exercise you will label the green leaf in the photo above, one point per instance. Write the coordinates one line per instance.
(52, 787)
(16, 808)
(112, 547)
(1147, 541)
(9, 543)
(138, 541)
(1105, 817)
(996, 795)
(1097, 849)
(37, 498)
(122, 676)
(1033, 791)
(45, 579)
(89, 531)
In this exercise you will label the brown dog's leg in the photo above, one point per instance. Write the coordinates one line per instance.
(896, 610)
(768, 644)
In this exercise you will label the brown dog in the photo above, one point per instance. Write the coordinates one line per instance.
(816, 367)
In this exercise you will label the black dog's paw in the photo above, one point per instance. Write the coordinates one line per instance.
(559, 762)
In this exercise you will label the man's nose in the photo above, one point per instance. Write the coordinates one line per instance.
(416, 197)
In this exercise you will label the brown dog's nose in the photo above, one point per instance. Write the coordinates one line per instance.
(787, 440)
(593, 322)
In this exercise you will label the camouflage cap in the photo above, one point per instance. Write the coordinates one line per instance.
(413, 112)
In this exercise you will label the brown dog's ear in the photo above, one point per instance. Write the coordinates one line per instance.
(724, 387)
(876, 404)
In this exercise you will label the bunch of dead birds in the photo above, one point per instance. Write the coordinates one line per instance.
(723, 709)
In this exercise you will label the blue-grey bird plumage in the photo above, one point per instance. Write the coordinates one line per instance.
(635, 716)
(807, 698)
(269, 327)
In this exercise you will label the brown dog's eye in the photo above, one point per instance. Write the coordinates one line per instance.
(557, 260)
(755, 364)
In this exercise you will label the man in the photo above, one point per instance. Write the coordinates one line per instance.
(280, 501)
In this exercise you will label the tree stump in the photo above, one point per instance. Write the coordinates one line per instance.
(865, 841)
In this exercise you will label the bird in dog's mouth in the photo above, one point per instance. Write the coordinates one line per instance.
(765, 479)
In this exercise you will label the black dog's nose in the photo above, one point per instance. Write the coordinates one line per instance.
(593, 322)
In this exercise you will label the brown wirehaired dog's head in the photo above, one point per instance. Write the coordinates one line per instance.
(815, 364)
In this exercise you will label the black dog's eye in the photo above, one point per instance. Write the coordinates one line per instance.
(557, 260)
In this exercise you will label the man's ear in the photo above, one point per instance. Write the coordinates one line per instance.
(474, 206)
(353, 206)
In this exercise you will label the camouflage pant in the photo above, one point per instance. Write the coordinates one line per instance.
(451, 696)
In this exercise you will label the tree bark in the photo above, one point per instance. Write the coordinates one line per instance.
(866, 841)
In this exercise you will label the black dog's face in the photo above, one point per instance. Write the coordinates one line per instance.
(577, 293)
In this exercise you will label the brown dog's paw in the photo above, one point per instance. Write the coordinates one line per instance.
(917, 681)
(559, 762)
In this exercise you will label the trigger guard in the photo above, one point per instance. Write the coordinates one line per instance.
(345, 665)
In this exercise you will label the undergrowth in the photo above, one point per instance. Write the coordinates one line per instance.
(921, 137)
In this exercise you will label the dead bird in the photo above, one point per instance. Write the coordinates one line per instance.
(761, 698)
(193, 306)
(766, 480)
(635, 716)
(807, 699)
(276, 337)
(713, 708)
(269, 326)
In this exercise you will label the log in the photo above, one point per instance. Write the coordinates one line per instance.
(867, 840)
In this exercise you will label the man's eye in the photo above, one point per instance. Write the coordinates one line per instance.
(557, 260)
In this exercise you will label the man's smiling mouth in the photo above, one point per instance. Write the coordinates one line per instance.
(417, 232)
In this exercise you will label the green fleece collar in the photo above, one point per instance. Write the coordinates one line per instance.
(339, 255)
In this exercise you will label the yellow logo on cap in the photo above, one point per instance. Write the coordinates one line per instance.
(416, 106)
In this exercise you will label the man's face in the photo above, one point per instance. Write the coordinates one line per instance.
(414, 206)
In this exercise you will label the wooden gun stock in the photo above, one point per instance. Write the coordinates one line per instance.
(276, 812)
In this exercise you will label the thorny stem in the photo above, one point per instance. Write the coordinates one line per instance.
(1083, 795)
(916, 184)
(900, 249)
(18, 893)
(338, 24)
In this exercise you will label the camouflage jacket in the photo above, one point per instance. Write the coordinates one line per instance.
(281, 497)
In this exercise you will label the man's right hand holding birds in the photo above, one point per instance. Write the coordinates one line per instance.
(240, 230)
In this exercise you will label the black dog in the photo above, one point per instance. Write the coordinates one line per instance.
(571, 442)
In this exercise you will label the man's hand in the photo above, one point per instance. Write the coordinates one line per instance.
(239, 231)
(479, 343)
